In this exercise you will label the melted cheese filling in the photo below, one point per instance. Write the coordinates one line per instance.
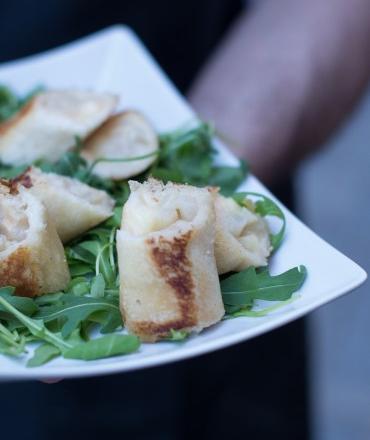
(248, 228)
(13, 221)
(153, 207)
(76, 188)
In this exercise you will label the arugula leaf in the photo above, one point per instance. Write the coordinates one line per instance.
(62, 320)
(48, 299)
(11, 342)
(81, 288)
(11, 349)
(98, 286)
(115, 220)
(35, 326)
(109, 322)
(176, 335)
(43, 354)
(95, 252)
(46, 352)
(248, 312)
(78, 253)
(228, 178)
(72, 164)
(10, 103)
(9, 172)
(75, 310)
(243, 288)
(112, 322)
(106, 346)
(91, 246)
(103, 265)
(187, 156)
(23, 304)
(69, 164)
(8, 349)
(79, 269)
(167, 175)
(264, 207)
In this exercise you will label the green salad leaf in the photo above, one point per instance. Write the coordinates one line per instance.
(106, 346)
(228, 178)
(10, 103)
(177, 335)
(72, 164)
(62, 321)
(43, 354)
(23, 304)
(242, 289)
(187, 156)
(251, 312)
(98, 286)
(76, 309)
(11, 342)
(35, 326)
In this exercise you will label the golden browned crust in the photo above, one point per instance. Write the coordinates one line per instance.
(13, 121)
(23, 179)
(12, 185)
(16, 271)
(5, 185)
(110, 123)
(170, 259)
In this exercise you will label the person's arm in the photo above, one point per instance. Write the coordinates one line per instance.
(284, 77)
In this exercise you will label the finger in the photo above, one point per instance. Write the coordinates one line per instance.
(52, 380)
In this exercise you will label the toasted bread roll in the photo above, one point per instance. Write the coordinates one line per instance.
(46, 127)
(242, 237)
(168, 275)
(73, 206)
(31, 254)
(124, 135)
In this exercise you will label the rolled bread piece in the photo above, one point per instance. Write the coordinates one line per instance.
(168, 275)
(242, 237)
(32, 257)
(47, 125)
(125, 135)
(73, 206)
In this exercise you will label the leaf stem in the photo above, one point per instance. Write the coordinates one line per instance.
(36, 327)
(99, 257)
(262, 312)
(123, 159)
(8, 336)
(111, 250)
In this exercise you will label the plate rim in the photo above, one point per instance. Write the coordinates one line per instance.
(156, 360)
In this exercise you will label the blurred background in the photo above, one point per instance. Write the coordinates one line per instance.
(334, 188)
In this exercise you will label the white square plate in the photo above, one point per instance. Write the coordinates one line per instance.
(114, 60)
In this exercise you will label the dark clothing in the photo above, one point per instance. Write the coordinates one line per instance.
(180, 35)
(254, 390)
